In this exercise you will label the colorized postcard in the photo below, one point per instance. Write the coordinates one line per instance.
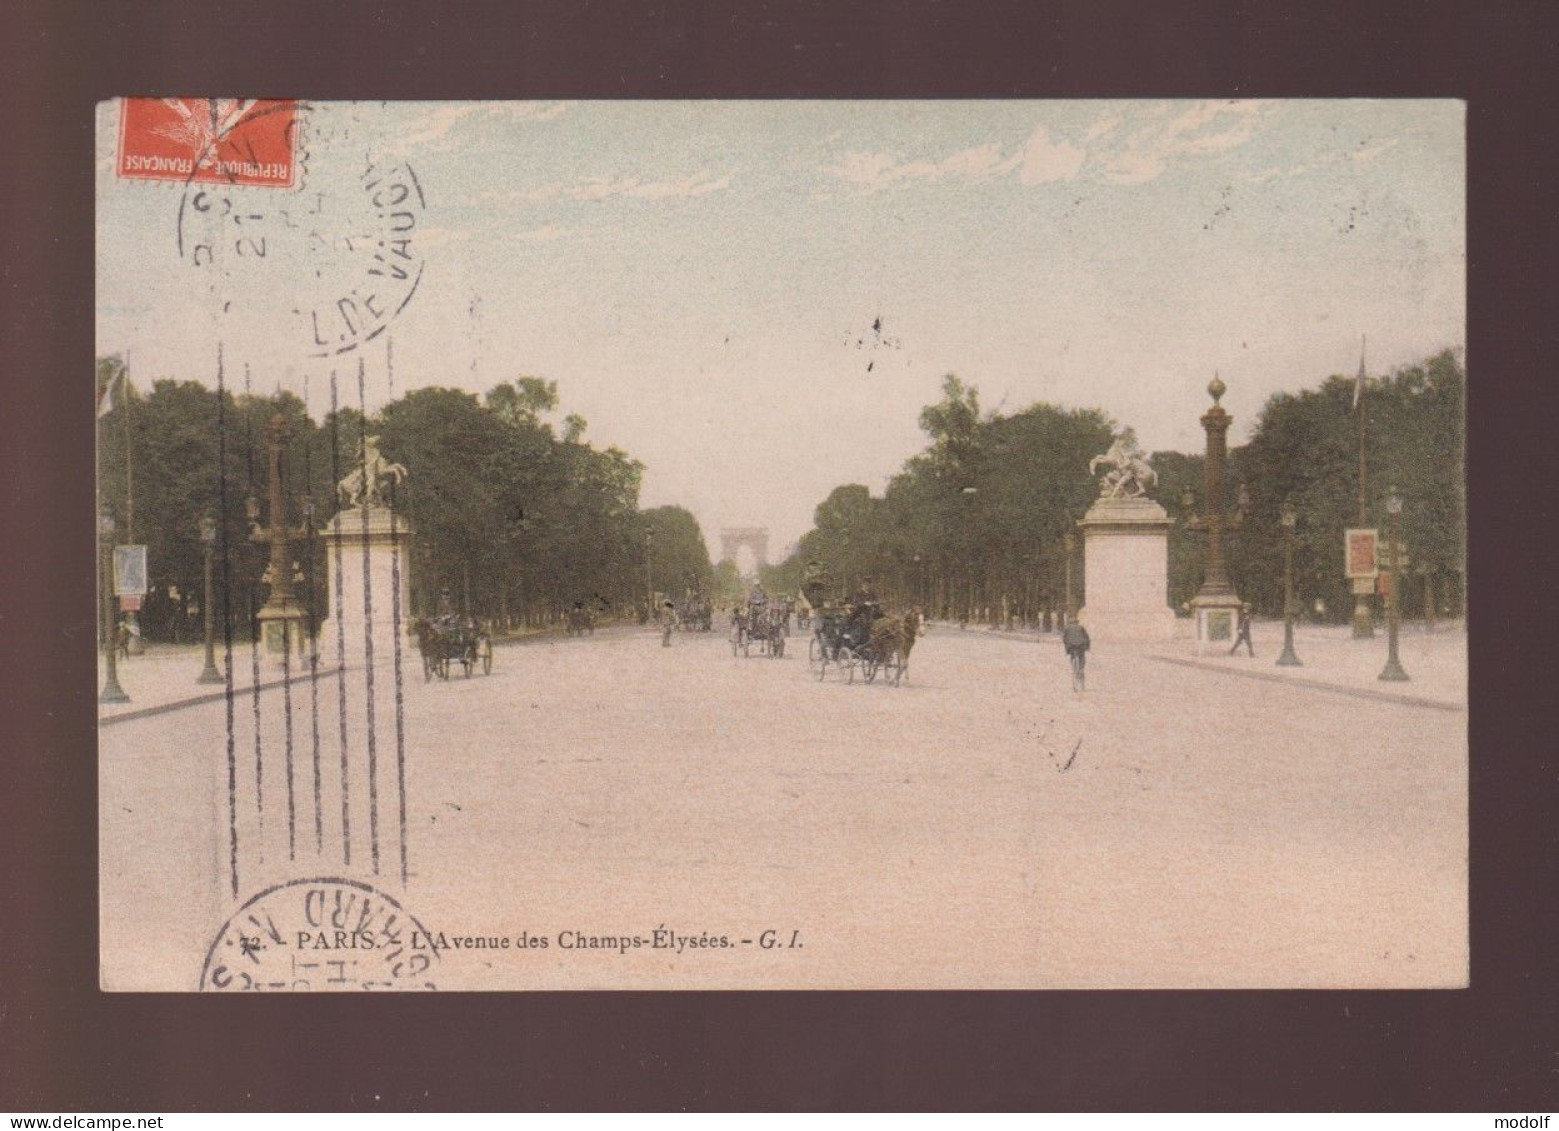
(781, 545)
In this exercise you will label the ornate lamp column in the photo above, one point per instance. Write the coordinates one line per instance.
(1393, 671)
(282, 617)
(112, 692)
(208, 539)
(1289, 659)
(1216, 602)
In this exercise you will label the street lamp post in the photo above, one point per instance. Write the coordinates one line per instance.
(1069, 544)
(1289, 659)
(281, 619)
(112, 692)
(1393, 671)
(208, 539)
(311, 621)
(649, 576)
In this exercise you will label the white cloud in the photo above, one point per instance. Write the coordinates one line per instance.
(1118, 147)
(549, 191)
(874, 172)
(432, 131)
(699, 184)
(1205, 128)
(1362, 154)
(1102, 127)
(603, 188)
(1046, 160)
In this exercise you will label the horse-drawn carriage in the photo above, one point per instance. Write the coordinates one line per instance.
(761, 624)
(861, 638)
(447, 640)
(696, 614)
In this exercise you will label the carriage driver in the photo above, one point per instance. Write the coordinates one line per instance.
(866, 603)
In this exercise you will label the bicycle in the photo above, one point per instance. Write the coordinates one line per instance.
(1076, 657)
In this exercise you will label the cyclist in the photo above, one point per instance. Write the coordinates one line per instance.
(1074, 638)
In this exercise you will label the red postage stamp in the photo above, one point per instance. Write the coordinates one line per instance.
(239, 141)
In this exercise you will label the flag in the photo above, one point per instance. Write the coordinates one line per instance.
(1358, 387)
(109, 397)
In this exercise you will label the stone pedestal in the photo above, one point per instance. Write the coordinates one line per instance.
(1217, 618)
(1126, 564)
(283, 626)
(367, 582)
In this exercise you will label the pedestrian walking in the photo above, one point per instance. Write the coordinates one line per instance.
(1074, 638)
(1243, 633)
(668, 622)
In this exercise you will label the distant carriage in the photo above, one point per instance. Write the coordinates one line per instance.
(580, 621)
(760, 625)
(448, 640)
(697, 614)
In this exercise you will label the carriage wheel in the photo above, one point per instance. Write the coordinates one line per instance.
(814, 653)
(487, 655)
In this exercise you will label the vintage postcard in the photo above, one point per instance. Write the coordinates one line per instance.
(781, 545)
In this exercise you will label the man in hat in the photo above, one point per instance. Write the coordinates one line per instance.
(1243, 633)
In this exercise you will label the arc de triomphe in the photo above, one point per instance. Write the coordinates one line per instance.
(755, 538)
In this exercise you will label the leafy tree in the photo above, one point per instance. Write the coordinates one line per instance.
(679, 560)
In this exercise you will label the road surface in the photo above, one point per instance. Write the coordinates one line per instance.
(979, 826)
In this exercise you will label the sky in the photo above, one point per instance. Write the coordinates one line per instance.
(755, 299)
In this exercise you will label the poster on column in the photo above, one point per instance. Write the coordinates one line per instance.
(642, 544)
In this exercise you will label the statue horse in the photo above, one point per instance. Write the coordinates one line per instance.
(1132, 476)
(362, 484)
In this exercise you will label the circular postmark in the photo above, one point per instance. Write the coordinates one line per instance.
(335, 257)
(320, 934)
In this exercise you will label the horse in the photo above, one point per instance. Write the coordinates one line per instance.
(1133, 476)
(893, 638)
(448, 639)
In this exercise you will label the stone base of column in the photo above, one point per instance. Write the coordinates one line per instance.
(1217, 618)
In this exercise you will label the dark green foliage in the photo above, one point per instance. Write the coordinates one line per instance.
(512, 521)
(976, 523)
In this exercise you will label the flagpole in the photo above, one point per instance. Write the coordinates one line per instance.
(1363, 413)
(1363, 589)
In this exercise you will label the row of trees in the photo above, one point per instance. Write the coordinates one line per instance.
(975, 520)
(976, 525)
(515, 518)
